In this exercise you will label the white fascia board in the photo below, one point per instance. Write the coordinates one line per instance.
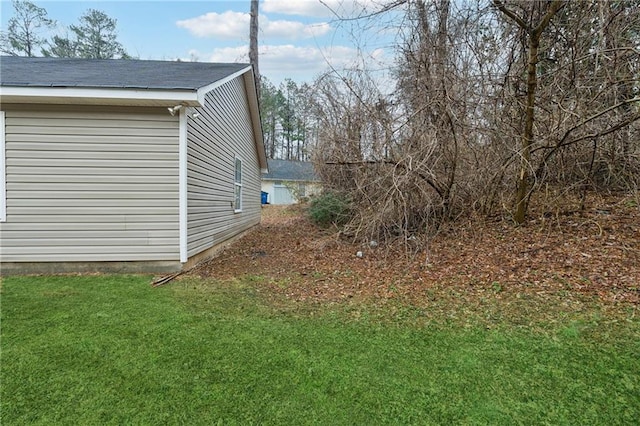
(182, 186)
(206, 89)
(254, 110)
(103, 95)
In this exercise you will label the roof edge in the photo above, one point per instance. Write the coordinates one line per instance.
(97, 96)
(202, 91)
(254, 108)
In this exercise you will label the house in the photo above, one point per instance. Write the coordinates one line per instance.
(287, 182)
(125, 165)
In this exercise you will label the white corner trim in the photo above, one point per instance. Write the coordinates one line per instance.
(182, 185)
(206, 89)
(3, 174)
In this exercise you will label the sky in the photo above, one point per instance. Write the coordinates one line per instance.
(298, 39)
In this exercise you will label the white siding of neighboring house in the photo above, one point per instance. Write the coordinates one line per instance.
(220, 133)
(90, 184)
(280, 192)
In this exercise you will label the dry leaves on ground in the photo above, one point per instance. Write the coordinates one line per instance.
(561, 260)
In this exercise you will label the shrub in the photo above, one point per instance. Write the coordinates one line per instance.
(330, 208)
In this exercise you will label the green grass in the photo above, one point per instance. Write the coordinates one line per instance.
(112, 350)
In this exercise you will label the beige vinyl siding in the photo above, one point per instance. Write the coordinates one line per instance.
(3, 199)
(90, 184)
(220, 134)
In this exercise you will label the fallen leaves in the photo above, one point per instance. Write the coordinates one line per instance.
(562, 263)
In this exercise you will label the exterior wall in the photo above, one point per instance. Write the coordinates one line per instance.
(267, 186)
(276, 197)
(90, 184)
(220, 133)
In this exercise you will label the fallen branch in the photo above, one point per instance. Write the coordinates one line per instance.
(166, 279)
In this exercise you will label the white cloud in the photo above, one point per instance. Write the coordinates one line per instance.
(226, 54)
(277, 62)
(293, 29)
(306, 59)
(321, 9)
(226, 25)
(300, 7)
(234, 25)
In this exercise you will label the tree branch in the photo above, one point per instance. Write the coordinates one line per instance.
(384, 9)
(596, 115)
(511, 14)
(563, 142)
(555, 6)
(422, 176)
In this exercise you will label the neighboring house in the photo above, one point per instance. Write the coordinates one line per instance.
(125, 164)
(289, 181)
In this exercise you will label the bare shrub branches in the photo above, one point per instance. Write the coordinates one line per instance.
(494, 102)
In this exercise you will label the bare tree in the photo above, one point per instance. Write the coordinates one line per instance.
(581, 107)
(495, 100)
(533, 29)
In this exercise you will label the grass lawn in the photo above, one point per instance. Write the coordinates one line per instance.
(112, 350)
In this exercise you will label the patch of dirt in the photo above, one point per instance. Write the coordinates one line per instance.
(594, 254)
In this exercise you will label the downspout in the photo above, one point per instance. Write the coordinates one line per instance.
(182, 185)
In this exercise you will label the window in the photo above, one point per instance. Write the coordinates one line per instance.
(302, 190)
(238, 186)
(3, 176)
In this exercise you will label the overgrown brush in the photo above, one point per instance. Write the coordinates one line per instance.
(330, 208)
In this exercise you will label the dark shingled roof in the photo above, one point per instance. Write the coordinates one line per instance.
(111, 73)
(290, 170)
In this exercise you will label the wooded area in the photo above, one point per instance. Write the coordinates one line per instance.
(499, 106)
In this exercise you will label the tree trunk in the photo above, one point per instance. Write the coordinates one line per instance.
(253, 42)
(527, 136)
(534, 33)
